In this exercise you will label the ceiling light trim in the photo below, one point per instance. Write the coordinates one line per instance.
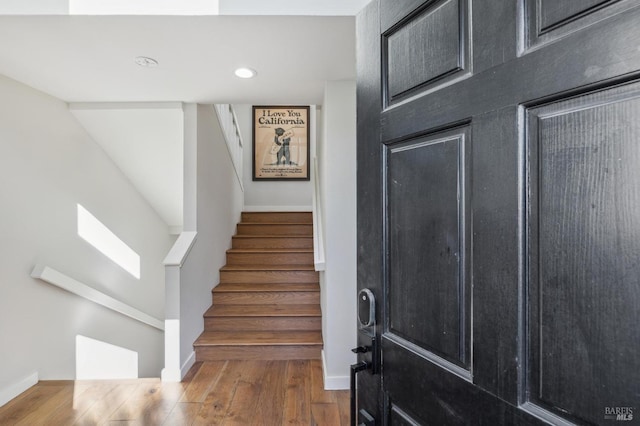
(145, 61)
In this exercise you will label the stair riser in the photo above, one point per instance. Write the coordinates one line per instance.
(277, 242)
(274, 229)
(270, 259)
(219, 353)
(280, 217)
(253, 320)
(266, 298)
(262, 324)
(269, 277)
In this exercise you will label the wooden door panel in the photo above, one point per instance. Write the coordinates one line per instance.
(430, 395)
(428, 290)
(549, 20)
(584, 275)
(537, 78)
(392, 12)
(554, 12)
(426, 49)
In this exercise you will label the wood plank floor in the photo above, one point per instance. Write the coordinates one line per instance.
(269, 393)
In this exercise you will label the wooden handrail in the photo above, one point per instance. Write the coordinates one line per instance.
(51, 276)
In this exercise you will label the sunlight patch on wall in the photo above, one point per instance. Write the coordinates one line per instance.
(99, 236)
(96, 360)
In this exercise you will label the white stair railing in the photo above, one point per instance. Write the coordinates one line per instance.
(318, 222)
(233, 137)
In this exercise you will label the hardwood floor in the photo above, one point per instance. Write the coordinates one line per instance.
(232, 392)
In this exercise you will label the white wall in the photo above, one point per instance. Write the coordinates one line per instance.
(337, 170)
(271, 195)
(48, 164)
(217, 206)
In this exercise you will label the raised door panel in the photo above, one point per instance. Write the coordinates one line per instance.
(393, 11)
(549, 20)
(422, 393)
(555, 12)
(584, 251)
(428, 217)
(426, 49)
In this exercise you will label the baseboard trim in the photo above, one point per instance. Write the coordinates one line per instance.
(191, 359)
(278, 208)
(334, 382)
(170, 375)
(175, 375)
(13, 390)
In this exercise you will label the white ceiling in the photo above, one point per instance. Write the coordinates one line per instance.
(91, 58)
(88, 61)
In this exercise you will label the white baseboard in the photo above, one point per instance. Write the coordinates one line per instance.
(191, 359)
(170, 375)
(334, 382)
(175, 375)
(278, 208)
(10, 391)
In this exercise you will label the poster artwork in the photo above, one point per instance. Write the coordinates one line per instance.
(280, 143)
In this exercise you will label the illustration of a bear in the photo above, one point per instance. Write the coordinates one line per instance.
(283, 143)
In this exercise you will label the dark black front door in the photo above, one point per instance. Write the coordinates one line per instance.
(499, 210)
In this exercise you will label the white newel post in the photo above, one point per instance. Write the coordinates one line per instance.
(172, 371)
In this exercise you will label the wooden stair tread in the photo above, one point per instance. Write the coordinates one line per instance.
(268, 268)
(270, 250)
(310, 310)
(267, 304)
(271, 236)
(280, 217)
(284, 229)
(276, 287)
(276, 223)
(262, 323)
(259, 338)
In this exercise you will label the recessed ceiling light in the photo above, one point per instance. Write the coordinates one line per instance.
(245, 73)
(144, 61)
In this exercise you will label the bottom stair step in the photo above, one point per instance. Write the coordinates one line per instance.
(267, 345)
(265, 353)
(259, 338)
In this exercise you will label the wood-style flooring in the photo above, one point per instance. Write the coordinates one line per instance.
(269, 393)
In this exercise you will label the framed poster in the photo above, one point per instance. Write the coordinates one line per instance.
(281, 143)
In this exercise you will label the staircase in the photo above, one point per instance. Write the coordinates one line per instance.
(267, 305)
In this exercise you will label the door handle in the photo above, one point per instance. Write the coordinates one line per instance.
(355, 369)
(361, 349)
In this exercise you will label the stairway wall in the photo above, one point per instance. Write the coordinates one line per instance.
(268, 195)
(337, 168)
(48, 165)
(213, 203)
